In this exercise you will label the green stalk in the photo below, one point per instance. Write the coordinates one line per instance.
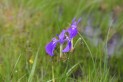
(61, 48)
(72, 44)
(53, 79)
(77, 42)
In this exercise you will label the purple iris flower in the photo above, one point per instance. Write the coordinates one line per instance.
(62, 38)
(73, 28)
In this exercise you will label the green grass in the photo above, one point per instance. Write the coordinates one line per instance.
(26, 26)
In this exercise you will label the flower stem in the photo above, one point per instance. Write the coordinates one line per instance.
(72, 44)
(53, 79)
(72, 47)
(77, 42)
(61, 48)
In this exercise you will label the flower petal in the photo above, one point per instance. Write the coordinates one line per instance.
(74, 19)
(62, 36)
(68, 47)
(51, 46)
(79, 20)
(72, 32)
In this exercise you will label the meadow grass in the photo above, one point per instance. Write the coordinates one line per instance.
(26, 26)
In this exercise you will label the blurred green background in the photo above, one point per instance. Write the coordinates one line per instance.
(26, 26)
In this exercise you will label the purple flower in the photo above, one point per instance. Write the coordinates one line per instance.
(73, 28)
(62, 38)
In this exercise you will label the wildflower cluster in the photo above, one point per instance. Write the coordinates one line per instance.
(63, 37)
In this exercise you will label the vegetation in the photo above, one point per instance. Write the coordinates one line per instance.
(26, 26)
